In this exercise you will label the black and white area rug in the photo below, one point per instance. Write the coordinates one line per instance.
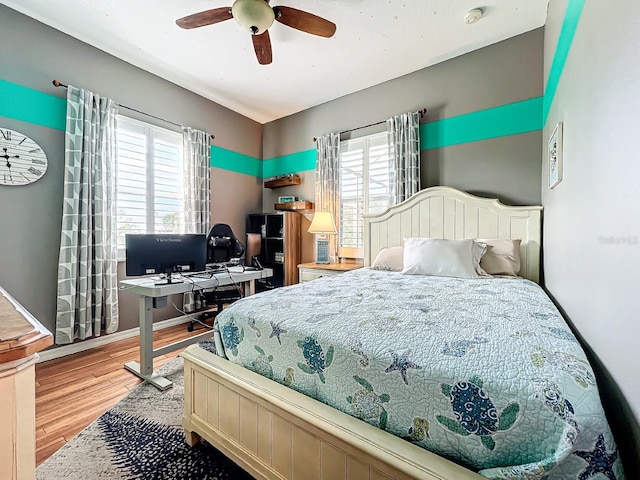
(141, 438)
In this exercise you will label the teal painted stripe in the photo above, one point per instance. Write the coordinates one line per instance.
(33, 106)
(235, 162)
(295, 162)
(510, 119)
(565, 39)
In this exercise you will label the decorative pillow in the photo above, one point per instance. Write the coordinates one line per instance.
(478, 251)
(389, 259)
(436, 256)
(502, 257)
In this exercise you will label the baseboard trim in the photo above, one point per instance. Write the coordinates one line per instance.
(72, 348)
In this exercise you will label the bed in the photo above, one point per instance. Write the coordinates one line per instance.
(452, 377)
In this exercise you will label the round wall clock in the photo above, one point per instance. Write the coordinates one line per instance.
(22, 161)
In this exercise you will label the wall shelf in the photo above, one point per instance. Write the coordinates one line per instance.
(294, 206)
(284, 181)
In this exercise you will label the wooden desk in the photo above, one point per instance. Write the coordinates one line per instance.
(149, 291)
(21, 338)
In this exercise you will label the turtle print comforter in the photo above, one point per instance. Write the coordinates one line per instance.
(484, 372)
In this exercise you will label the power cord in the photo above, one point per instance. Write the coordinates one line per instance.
(211, 274)
(141, 284)
(235, 284)
(193, 319)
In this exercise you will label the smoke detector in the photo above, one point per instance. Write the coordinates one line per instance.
(473, 16)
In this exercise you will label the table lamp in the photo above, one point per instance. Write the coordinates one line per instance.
(322, 225)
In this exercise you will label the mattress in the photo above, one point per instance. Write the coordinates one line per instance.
(484, 372)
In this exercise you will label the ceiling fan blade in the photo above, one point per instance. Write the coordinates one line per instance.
(262, 46)
(305, 21)
(207, 17)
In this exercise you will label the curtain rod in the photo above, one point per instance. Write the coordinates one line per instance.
(57, 83)
(422, 113)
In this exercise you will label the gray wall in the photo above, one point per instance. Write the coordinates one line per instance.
(32, 55)
(506, 167)
(592, 218)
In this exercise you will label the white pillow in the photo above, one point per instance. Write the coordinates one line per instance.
(445, 258)
(389, 259)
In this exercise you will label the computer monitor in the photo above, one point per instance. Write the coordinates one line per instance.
(155, 253)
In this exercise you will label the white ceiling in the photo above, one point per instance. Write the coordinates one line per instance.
(376, 40)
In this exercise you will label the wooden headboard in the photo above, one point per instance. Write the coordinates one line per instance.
(444, 212)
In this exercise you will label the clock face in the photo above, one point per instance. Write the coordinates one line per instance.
(22, 161)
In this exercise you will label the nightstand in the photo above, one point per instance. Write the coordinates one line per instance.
(311, 271)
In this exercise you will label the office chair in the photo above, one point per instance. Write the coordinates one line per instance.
(219, 297)
(222, 244)
(222, 247)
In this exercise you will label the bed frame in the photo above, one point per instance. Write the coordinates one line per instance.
(274, 432)
(444, 212)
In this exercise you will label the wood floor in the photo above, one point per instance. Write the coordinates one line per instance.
(73, 391)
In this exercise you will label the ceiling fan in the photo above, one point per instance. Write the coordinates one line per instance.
(257, 16)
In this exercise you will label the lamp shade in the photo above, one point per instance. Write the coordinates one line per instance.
(254, 15)
(322, 223)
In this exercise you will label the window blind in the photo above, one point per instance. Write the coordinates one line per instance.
(364, 186)
(149, 181)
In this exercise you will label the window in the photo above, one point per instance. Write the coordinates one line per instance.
(364, 188)
(149, 181)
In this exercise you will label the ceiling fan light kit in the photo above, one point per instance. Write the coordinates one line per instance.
(253, 15)
(257, 16)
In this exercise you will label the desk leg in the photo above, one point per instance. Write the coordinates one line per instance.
(251, 287)
(144, 369)
(146, 335)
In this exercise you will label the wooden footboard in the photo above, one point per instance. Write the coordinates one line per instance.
(274, 432)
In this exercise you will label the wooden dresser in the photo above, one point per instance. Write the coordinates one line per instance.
(21, 338)
(311, 271)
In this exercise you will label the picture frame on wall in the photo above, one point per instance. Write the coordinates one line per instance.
(554, 156)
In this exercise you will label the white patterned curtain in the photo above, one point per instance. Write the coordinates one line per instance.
(87, 270)
(197, 161)
(404, 142)
(328, 181)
